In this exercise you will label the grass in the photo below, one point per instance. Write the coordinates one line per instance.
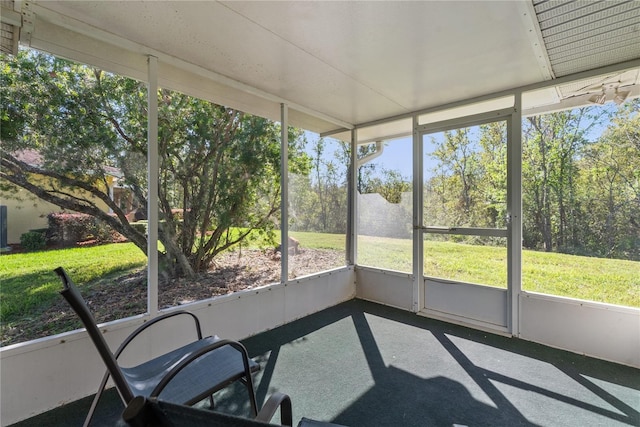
(596, 279)
(28, 285)
(320, 240)
(385, 252)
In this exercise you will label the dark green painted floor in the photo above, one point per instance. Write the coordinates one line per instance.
(363, 364)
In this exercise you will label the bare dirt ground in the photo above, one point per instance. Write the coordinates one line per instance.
(112, 299)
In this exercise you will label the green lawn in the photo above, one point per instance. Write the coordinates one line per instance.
(320, 240)
(596, 279)
(28, 284)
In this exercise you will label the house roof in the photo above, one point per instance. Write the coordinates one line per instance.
(345, 64)
(30, 157)
(35, 159)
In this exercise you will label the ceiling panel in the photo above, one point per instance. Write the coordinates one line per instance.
(415, 54)
(342, 63)
(355, 61)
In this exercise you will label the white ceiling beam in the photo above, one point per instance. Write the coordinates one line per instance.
(532, 26)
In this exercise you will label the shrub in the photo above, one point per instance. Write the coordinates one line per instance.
(103, 232)
(139, 226)
(67, 229)
(32, 241)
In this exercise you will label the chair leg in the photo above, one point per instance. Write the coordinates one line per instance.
(212, 404)
(96, 398)
(248, 378)
(252, 395)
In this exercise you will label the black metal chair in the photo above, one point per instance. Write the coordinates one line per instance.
(183, 376)
(143, 412)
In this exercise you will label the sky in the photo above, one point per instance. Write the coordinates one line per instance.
(398, 153)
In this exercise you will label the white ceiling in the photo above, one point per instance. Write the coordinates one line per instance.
(338, 63)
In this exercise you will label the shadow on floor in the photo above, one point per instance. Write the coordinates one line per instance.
(364, 364)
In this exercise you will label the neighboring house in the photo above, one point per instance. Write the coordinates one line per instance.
(27, 212)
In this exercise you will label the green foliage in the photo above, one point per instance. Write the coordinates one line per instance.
(551, 145)
(140, 226)
(466, 183)
(390, 184)
(67, 229)
(581, 190)
(29, 283)
(103, 233)
(33, 241)
(609, 189)
(219, 166)
(318, 194)
(582, 196)
(30, 287)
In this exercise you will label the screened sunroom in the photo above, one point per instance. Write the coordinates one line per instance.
(453, 189)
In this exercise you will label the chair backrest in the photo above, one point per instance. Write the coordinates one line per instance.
(77, 303)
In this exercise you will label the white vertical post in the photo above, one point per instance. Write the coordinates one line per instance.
(111, 193)
(514, 211)
(418, 243)
(352, 221)
(284, 197)
(152, 174)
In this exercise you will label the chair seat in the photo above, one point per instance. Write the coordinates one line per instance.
(219, 367)
(185, 375)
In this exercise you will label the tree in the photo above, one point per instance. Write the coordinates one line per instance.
(318, 200)
(610, 188)
(330, 183)
(551, 144)
(493, 185)
(390, 184)
(366, 171)
(580, 187)
(453, 188)
(219, 167)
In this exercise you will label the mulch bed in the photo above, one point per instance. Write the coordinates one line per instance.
(126, 296)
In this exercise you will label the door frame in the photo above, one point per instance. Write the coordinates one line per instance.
(491, 308)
